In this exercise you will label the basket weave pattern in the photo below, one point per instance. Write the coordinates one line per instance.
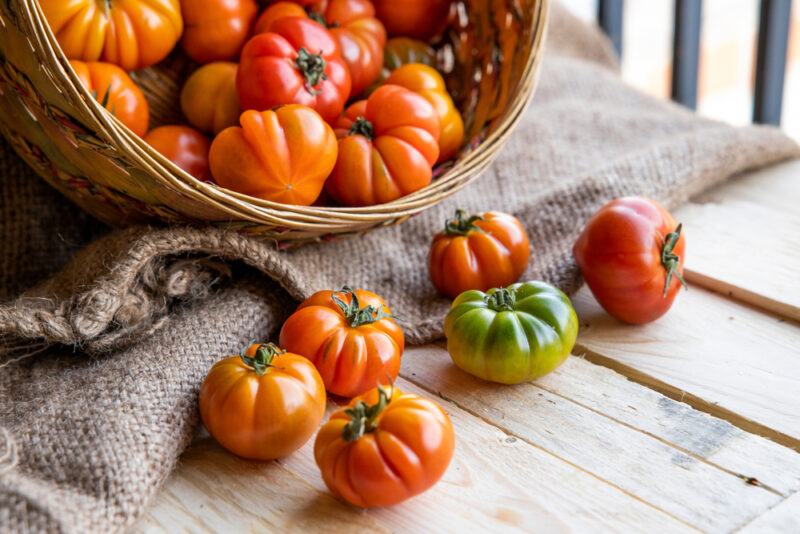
(490, 57)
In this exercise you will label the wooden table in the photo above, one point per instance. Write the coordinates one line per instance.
(690, 423)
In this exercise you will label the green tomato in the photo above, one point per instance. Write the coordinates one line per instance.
(511, 335)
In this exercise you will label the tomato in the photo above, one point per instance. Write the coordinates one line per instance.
(277, 11)
(184, 146)
(427, 82)
(387, 147)
(418, 19)
(216, 29)
(631, 253)
(351, 338)
(115, 90)
(511, 335)
(478, 252)
(401, 51)
(263, 404)
(282, 155)
(296, 62)
(384, 448)
(209, 99)
(132, 34)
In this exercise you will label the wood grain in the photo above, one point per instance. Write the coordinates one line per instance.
(782, 519)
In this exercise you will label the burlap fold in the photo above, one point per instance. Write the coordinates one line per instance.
(95, 418)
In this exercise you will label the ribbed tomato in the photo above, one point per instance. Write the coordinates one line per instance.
(215, 30)
(209, 100)
(478, 252)
(384, 448)
(184, 146)
(387, 147)
(351, 338)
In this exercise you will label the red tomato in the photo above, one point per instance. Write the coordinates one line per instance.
(384, 448)
(185, 147)
(418, 19)
(296, 62)
(631, 254)
(215, 30)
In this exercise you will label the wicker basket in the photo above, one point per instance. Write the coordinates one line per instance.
(490, 56)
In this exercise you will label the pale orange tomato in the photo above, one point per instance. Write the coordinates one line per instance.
(209, 100)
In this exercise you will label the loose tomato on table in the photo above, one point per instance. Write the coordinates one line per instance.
(132, 34)
(513, 334)
(184, 146)
(216, 30)
(387, 147)
(263, 404)
(384, 448)
(116, 91)
(478, 252)
(418, 19)
(428, 83)
(351, 338)
(631, 254)
(209, 100)
(296, 62)
(283, 155)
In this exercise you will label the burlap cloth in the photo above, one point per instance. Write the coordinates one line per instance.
(102, 361)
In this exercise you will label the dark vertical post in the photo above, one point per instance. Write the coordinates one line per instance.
(609, 15)
(686, 51)
(773, 39)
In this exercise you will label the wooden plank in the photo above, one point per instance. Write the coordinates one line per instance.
(683, 485)
(782, 519)
(496, 481)
(720, 356)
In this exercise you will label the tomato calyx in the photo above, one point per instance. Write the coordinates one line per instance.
(354, 314)
(670, 260)
(462, 223)
(313, 68)
(262, 360)
(361, 126)
(501, 300)
(363, 416)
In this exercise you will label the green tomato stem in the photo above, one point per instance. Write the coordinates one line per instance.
(363, 416)
(670, 260)
(313, 68)
(354, 314)
(462, 223)
(501, 300)
(262, 361)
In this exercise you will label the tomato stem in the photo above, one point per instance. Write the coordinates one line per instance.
(363, 416)
(462, 223)
(362, 126)
(501, 300)
(262, 360)
(670, 260)
(354, 314)
(313, 68)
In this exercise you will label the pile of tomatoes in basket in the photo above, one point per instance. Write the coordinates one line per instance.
(300, 102)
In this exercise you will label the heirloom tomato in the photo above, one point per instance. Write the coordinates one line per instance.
(384, 448)
(351, 338)
(215, 30)
(418, 19)
(387, 147)
(478, 252)
(184, 146)
(631, 254)
(513, 334)
(428, 83)
(209, 99)
(296, 62)
(114, 89)
(263, 404)
(132, 34)
(282, 155)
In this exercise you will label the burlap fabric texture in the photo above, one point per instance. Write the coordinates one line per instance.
(103, 360)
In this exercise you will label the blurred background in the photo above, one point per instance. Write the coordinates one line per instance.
(726, 35)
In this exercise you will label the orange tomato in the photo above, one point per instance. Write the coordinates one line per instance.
(277, 11)
(263, 404)
(216, 29)
(209, 100)
(115, 90)
(478, 252)
(418, 19)
(282, 155)
(184, 146)
(387, 147)
(350, 337)
(132, 34)
(427, 82)
(384, 448)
